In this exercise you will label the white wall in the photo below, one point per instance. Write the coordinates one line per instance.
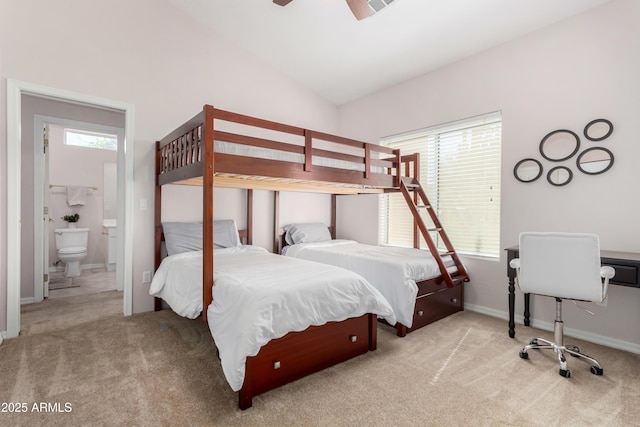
(560, 77)
(154, 57)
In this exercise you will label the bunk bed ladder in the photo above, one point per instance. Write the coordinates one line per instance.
(451, 278)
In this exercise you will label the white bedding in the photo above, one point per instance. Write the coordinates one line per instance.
(259, 296)
(394, 271)
(178, 281)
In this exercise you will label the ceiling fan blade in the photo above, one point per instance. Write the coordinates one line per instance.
(359, 8)
(282, 2)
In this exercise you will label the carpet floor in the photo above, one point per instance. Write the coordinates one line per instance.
(161, 369)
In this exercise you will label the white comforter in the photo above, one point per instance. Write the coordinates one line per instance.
(178, 281)
(394, 271)
(259, 296)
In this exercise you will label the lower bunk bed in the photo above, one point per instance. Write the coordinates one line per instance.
(408, 278)
(273, 319)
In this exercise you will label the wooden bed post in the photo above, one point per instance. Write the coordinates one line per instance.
(334, 203)
(415, 159)
(398, 161)
(207, 208)
(249, 216)
(276, 222)
(308, 150)
(157, 222)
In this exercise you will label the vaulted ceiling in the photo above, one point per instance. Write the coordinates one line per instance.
(320, 44)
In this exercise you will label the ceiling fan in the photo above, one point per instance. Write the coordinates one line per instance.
(359, 8)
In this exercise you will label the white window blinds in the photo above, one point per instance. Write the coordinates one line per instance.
(460, 172)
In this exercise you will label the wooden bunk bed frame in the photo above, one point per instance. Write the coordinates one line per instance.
(187, 156)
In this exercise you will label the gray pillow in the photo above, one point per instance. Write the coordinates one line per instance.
(187, 236)
(182, 236)
(306, 233)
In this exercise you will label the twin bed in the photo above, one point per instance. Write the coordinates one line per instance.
(274, 319)
(259, 298)
(408, 278)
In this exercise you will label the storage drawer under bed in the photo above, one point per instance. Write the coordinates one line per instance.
(437, 305)
(299, 354)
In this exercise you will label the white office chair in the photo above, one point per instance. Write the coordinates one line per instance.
(562, 266)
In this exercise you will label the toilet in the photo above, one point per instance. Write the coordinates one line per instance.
(71, 244)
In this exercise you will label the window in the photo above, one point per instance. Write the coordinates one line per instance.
(460, 173)
(85, 138)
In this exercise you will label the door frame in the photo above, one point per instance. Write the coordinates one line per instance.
(40, 228)
(15, 90)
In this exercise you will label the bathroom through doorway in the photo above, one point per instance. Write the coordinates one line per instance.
(78, 172)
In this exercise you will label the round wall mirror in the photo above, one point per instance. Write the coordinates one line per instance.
(559, 145)
(559, 176)
(527, 170)
(594, 161)
(597, 130)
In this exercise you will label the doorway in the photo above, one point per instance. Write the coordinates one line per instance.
(15, 91)
(81, 156)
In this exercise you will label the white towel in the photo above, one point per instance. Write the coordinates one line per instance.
(76, 195)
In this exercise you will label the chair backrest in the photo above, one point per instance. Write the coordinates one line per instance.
(563, 265)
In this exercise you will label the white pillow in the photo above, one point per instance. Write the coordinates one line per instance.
(306, 233)
(187, 236)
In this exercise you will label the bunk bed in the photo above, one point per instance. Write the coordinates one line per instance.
(218, 148)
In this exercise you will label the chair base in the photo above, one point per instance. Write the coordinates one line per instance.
(560, 349)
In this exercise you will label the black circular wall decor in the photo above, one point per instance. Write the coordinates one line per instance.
(559, 176)
(527, 170)
(559, 145)
(595, 160)
(598, 130)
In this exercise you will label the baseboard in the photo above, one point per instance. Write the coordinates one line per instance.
(548, 326)
(28, 300)
(3, 336)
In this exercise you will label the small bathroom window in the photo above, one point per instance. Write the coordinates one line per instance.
(85, 138)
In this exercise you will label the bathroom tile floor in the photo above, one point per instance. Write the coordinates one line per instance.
(90, 281)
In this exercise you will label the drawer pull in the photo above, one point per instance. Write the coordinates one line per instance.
(454, 300)
(353, 338)
(276, 364)
(420, 313)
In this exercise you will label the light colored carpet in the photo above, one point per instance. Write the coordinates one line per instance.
(161, 369)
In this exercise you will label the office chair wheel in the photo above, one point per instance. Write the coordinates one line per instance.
(525, 355)
(597, 371)
(534, 342)
(565, 373)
